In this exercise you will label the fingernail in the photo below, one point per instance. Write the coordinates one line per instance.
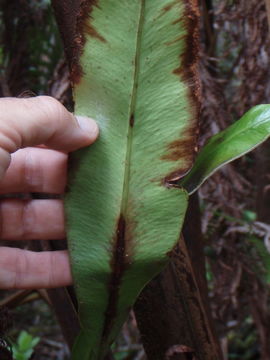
(88, 125)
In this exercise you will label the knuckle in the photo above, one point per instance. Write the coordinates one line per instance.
(32, 172)
(54, 109)
(28, 218)
(21, 266)
(51, 275)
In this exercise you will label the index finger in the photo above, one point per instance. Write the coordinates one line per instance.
(41, 120)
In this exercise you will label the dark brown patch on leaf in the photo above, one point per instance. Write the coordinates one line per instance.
(119, 264)
(182, 148)
(172, 179)
(131, 120)
(188, 69)
(174, 41)
(177, 21)
(93, 32)
(73, 19)
(186, 147)
(168, 7)
(177, 149)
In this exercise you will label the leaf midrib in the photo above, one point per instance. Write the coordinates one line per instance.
(125, 192)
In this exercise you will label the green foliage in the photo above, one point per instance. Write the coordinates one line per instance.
(238, 139)
(24, 347)
(249, 215)
(124, 215)
(125, 204)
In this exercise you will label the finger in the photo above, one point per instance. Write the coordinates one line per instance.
(40, 120)
(35, 170)
(34, 219)
(24, 269)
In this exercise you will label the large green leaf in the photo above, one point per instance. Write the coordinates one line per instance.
(238, 139)
(133, 65)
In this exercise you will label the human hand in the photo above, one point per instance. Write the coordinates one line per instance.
(25, 123)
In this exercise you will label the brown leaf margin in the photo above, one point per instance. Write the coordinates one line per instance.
(72, 16)
(188, 71)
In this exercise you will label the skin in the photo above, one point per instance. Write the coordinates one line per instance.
(36, 135)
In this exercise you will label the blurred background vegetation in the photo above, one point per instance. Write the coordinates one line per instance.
(234, 203)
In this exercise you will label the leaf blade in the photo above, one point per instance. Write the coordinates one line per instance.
(235, 141)
(135, 74)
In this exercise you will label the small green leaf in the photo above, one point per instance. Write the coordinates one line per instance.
(25, 346)
(249, 215)
(24, 341)
(238, 139)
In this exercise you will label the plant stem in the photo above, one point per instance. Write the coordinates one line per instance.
(267, 3)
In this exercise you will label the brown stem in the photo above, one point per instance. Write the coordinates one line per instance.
(267, 3)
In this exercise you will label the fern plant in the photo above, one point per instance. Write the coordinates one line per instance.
(133, 66)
